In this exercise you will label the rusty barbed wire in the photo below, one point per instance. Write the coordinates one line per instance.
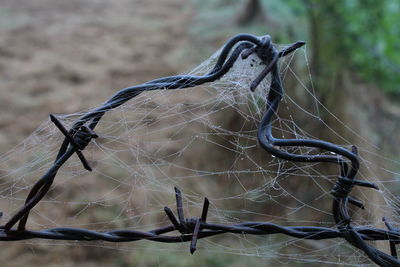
(192, 229)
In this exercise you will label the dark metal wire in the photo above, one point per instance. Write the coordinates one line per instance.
(192, 229)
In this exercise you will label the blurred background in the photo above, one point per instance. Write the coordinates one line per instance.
(65, 56)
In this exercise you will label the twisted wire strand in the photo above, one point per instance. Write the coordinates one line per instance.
(192, 229)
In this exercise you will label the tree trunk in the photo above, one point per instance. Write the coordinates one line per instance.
(336, 90)
(252, 11)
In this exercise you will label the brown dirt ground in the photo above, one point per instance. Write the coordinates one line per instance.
(62, 56)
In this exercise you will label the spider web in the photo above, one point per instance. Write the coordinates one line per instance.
(203, 141)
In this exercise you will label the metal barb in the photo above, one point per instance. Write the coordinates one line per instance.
(206, 204)
(393, 250)
(71, 140)
(179, 207)
(196, 231)
(172, 218)
(198, 225)
(268, 53)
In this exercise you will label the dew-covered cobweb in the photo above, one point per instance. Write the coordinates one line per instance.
(203, 141)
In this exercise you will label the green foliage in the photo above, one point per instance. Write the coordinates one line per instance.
(371, 30)
(362, 35)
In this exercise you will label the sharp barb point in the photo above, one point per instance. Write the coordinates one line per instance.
(196, 231)
(177, 191)
(171, 217)
(205, 210)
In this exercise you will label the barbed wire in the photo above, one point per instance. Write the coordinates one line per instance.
(192, 229)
